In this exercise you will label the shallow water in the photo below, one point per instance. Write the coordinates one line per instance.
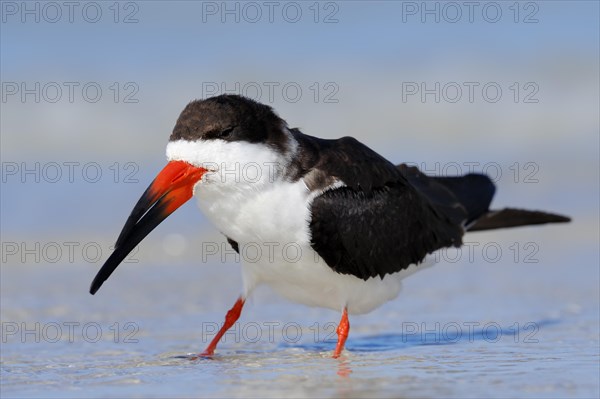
(462, 329)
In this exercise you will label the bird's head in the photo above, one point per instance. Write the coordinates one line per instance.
(226, 140)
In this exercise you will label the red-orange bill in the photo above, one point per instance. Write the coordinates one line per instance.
(171, 188)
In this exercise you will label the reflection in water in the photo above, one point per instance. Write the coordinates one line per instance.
(344, 369)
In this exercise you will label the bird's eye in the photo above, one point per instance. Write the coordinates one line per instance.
(227, 131)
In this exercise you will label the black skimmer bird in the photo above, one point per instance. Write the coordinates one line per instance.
(358, 223)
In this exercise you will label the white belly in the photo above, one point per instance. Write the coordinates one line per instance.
(308, 280)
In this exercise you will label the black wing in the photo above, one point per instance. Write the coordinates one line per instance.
(384, 218)
(375, 233)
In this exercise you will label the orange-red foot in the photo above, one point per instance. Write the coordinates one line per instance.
(230, 318)
(342, 332)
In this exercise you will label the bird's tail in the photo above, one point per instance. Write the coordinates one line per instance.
(512, 217)
(473, 193)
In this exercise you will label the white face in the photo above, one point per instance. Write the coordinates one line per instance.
(231, 164)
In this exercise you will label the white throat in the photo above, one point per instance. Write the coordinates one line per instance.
(244, 193)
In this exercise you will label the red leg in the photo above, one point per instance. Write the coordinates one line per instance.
(342, 332)
(230, 319)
